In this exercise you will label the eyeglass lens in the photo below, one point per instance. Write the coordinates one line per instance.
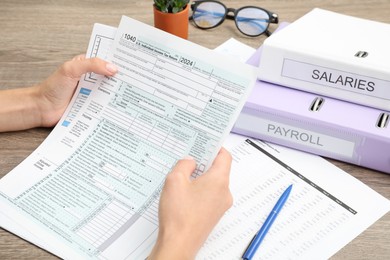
(252, 21)
(208, 14)
(249, 20)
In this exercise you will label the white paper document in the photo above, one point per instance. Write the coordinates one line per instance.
(326, 209)
(236, 49)
(91, 189)
(93, 185)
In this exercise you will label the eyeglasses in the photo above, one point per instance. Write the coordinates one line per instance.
(250, 20)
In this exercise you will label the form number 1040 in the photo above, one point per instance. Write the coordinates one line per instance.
(130, 37)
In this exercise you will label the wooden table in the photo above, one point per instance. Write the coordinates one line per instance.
(37, 36)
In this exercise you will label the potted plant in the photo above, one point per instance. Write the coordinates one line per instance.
(172, 16)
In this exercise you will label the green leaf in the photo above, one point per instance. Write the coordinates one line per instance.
(170, 6)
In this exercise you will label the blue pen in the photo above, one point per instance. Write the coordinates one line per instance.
(258, 238)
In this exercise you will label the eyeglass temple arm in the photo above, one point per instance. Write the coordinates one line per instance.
(273, 19)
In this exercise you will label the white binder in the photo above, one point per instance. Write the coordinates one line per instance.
(331, 54)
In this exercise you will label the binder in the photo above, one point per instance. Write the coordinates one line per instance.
(331, 54)
(316, 124)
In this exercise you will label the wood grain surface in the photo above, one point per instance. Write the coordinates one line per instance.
(37, 36)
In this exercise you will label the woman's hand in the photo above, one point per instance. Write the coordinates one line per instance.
(190, 208)
(44, 104)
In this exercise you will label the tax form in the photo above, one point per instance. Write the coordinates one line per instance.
(91, 189)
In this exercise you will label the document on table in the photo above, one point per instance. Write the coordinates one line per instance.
(91, 189)
(326, 209)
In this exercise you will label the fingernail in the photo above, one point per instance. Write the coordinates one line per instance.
(188, 157)
(111, 68)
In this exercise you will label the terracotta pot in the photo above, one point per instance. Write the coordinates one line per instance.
(176, 24)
